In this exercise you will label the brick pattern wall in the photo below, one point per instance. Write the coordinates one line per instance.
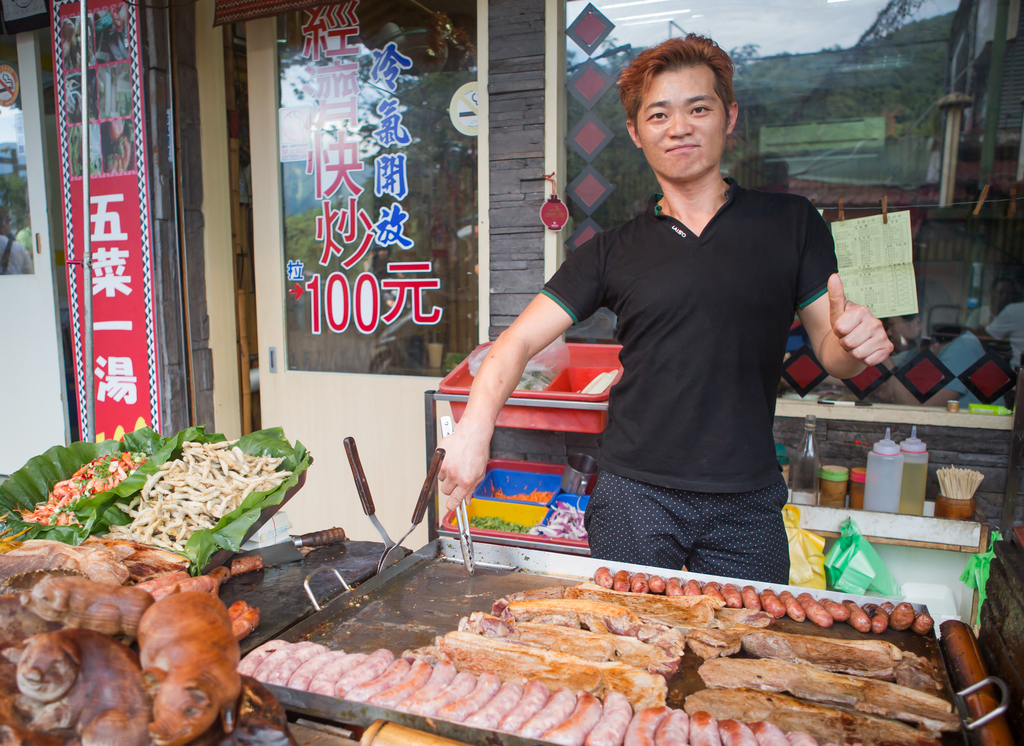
(516, 91)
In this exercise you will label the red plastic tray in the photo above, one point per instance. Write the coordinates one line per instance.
(448, 522)
(585, 362)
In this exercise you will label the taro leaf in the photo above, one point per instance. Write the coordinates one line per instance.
(31, 485)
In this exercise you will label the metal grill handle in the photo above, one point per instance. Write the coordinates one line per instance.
(309, 591)
(1004, 700)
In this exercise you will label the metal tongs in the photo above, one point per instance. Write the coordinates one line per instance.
(461, 516)
(389, 557)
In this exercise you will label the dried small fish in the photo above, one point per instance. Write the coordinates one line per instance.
(194, 492)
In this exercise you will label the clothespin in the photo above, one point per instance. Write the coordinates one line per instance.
(1013, 203)
(981, 200)
(842, 216)
(885, 209)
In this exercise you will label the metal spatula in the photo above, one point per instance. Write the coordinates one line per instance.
(363, 490)
(391, 556)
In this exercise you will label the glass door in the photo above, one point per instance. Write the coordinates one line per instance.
(33, 410)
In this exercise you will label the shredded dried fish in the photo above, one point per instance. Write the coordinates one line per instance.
(194, 492)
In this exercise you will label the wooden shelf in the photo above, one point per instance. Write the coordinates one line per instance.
(923, 532)
(892, 413)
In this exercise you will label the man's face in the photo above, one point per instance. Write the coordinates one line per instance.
(682, 124)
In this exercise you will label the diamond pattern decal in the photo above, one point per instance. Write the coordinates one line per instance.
(589, 83)
(989, 378)
(924, 376)
(868, 380)
(589, 137)
(802, 371)
(583, 233)
(589, 190)
(589, 29)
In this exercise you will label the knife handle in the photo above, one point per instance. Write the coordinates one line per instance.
(362, 488)
(428, 487)
(321, 538)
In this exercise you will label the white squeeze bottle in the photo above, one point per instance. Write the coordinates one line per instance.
(884, 476)
(915, 474)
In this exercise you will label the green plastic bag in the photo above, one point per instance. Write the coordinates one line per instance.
(975, 575)
(853, 566)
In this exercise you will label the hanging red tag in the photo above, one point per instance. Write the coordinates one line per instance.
(554, 214)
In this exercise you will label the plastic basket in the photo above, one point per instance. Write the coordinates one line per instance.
(586, 362)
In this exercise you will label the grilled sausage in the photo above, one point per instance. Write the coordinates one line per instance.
(573, 732)
(252, 661)
(644, 725)
(611, 728)
(735, 733)
(488, 716)
(164, 581)
(922, 624)
(704, 730)
(304, 674)
(691, 588)
(486, 687)
(674, 730)
(750, 599)
(621, 581)
(323, 682)
(394, 674)
(242, 565)
(461, 686)
(901, 617)
(638, 583)
(672, 587)
(656, 583)
(419, 675)
(879, 619)
(442, 675)
(245, 620)
(858, 619)
(771, 603)
(768, 734)
(793, 607)
(732, 596)
(814, 611)
(603, 577)
(797, 738)
(374, 665)
(535, 696)
(838, 612)
(554, 713)
(888, 606)
(275, 659)
(714, 590)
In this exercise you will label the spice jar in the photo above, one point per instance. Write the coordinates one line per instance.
(858, 475)
(832, 486)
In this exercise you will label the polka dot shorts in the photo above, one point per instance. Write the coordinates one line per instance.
(739, 535)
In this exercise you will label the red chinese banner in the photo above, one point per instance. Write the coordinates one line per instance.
(124, 335)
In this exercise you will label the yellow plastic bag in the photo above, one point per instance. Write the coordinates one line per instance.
(806, 552)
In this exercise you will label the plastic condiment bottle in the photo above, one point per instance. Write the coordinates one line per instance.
(858, 475)
(884, 476)
(915, 474)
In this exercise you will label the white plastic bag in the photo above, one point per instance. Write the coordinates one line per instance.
(540, 371)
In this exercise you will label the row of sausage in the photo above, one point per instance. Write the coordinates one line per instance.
(824, 612)
(531, 710)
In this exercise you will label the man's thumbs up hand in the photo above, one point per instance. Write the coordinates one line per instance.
(858, 331)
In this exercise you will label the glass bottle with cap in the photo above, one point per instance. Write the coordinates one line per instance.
(915, 474)
(804, 470)
(884, 476)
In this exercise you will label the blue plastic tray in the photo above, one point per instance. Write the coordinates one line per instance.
(512, 482)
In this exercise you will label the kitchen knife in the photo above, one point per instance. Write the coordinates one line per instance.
(461, 517)
(288, 550)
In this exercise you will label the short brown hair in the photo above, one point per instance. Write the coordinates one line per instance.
(671, 55)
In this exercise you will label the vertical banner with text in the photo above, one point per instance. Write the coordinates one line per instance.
(124, 334)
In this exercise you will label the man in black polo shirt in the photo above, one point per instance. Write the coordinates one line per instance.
(704, 285)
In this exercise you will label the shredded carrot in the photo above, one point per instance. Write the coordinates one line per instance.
(534, 497)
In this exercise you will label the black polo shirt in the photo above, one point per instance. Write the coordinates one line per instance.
(703, 323)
